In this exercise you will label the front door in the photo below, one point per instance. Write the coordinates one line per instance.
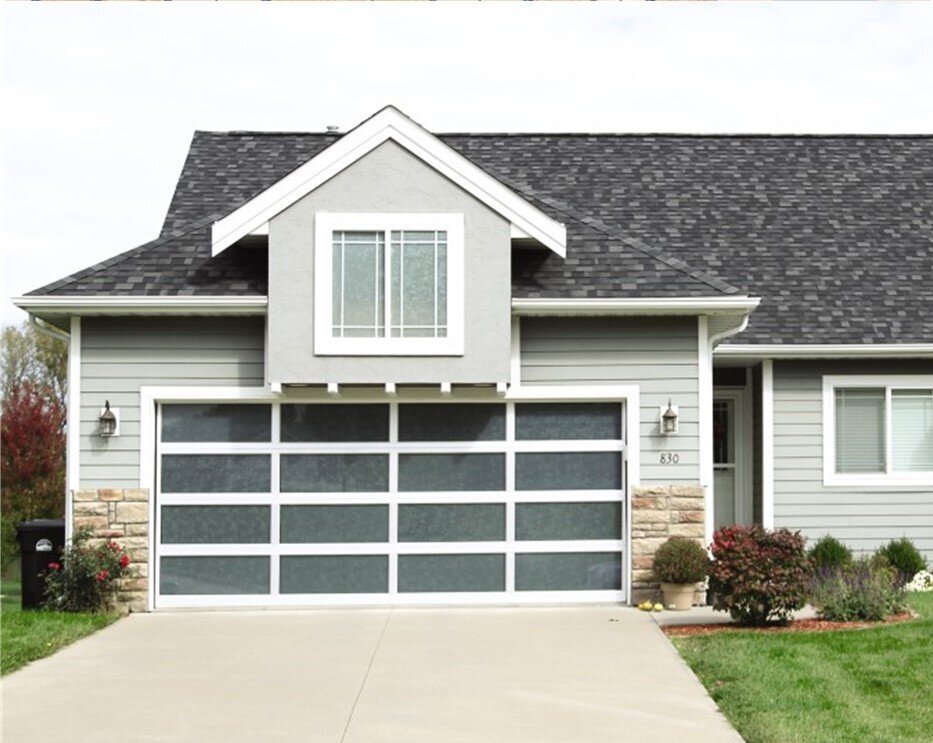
(732, 496)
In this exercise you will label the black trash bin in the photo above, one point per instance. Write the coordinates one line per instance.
(40, 542)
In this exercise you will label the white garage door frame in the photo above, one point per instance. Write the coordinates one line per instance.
(627, 395)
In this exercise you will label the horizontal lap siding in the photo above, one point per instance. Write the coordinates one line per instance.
(864, 518)
(659, 355)
(118, 356)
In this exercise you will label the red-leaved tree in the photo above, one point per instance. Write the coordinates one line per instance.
(32, 459)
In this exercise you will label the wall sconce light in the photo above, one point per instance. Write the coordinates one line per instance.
(669, 419)
(108, 422)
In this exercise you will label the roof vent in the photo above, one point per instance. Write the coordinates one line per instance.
(333, 129)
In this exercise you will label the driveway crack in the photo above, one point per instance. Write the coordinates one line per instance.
(369, 668)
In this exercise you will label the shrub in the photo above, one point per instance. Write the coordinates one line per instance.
(921, 582)
(680, 560)
(759, 575)
(830, 554)
(86, 578)
(904, 557)
(864, 590)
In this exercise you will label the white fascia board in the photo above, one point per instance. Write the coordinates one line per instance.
(826, 351)
(113, 305)
(389, 124)
(635, 306)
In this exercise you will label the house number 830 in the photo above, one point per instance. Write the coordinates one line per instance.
(670, 458)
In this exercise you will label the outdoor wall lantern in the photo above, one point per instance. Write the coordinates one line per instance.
(108, 422)
(669, 419)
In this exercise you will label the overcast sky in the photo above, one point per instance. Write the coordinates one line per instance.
(100, 100)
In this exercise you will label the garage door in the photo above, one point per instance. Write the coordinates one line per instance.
(389, 503)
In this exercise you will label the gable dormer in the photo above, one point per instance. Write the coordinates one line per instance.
(389, 262)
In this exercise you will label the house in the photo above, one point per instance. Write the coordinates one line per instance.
(394, 367)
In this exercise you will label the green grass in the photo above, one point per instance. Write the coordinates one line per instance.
(870, 686)
(26, 636)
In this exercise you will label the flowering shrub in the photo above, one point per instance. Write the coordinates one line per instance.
(86, 578)
(680, 560)
(759, 575)
(921, 583)
(865, 590)
(904, 557)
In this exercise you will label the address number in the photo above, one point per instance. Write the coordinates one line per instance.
(670, 458)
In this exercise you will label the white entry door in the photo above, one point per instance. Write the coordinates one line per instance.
(322, 503)
(732, 486)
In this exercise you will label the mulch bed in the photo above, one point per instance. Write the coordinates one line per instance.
(800, 625)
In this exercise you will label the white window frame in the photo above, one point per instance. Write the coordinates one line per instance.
(867, 479)
(325, 344)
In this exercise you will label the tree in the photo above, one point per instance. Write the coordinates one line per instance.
(32, 431)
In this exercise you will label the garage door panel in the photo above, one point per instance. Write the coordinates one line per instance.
(450, 472)
(560, 421)
(343, 423)
(215, 524)
(473, 522)
(451, 573)
(445, 422)
(330, 574)
(220, 422)
(568, 471)
(568, 521)
(216, 473)
(334, 473)
(568, 571)
(327, 524)
(214, 575)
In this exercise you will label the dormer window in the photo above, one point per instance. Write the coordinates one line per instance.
(388, 284)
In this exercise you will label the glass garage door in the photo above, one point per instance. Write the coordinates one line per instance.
(389, 503)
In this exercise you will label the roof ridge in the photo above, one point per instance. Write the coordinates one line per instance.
(670, 261)
(124, 256)
(619, 135)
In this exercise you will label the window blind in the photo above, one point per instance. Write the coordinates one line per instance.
(912, 430)
(860, 431)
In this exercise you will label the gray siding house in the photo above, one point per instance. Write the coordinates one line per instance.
(394, 367)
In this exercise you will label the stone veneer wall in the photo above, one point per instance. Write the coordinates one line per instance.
(123, 516)
(658, 513)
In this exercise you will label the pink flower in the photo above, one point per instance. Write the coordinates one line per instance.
(124, 561)
(103, 575)
(54, 566)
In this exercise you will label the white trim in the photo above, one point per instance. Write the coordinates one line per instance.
(635, 306)
(627, 447)
(122, 305)
(515, 352)
(888, 382)
(705, 434)
(389, 124)
(826, 351)
(325, 344)
(73, 431)
(767, 443)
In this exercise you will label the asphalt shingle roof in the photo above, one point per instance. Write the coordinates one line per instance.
(834, 233)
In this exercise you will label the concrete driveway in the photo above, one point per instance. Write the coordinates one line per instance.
(504, 674)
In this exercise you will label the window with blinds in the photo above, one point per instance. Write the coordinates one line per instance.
(864, 444)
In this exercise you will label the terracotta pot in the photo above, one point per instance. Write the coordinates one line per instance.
(678, 596)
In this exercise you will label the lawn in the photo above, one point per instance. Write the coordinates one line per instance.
(26, 636)
(871, 685)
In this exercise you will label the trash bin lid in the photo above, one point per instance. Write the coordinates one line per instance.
(37, 524)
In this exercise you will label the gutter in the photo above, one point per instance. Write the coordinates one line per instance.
(50, 330)
(115, 305)
(826, 351)
(635, 306)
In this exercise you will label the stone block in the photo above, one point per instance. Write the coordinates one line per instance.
(653, 491)
(91, 522)
(83, 495)
(650, 516)
(696, 517)
(642, 562)
(685, 504)
(646, 546)
(91, 508)
(687, 491)
(136, 494)
(110, 494)
(132, 513)
(137, 530)
(694, 531)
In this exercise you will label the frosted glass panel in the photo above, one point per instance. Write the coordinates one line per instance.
(595, 420)
(328, 524)
(453, 523)
(359, 284)
(543, 521)
(335, 574)
(457, 573)
(456, 472)
(216, 473)
(724, 495)
(912, 430)
(568, 471)
(334, 473)
(860, 435)
(215, 524)
(181, 576)
(451, 422)
(571, 571)
(335, 423)
(216, 423)
(418, 283)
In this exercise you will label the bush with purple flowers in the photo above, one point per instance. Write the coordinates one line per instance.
(865, 590)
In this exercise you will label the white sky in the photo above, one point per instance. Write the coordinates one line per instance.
(100, 100)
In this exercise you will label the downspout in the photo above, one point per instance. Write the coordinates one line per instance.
(50, 330)
(719, 337)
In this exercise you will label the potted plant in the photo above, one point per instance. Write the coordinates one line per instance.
(680, 564)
